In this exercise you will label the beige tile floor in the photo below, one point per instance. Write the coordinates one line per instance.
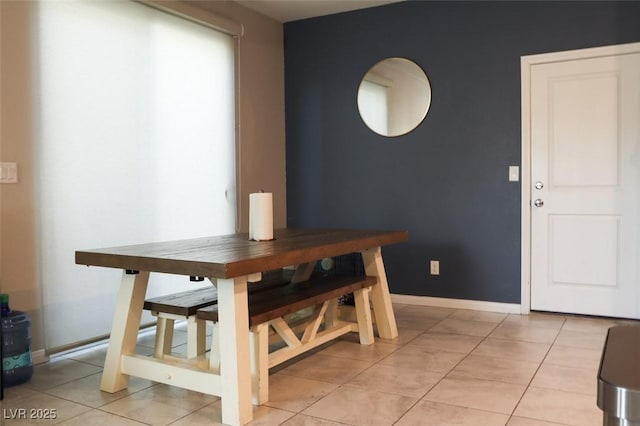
(447, 367)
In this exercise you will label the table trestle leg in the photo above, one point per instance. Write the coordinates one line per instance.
(235, 364)
(363, 315)
(380, 297)
(303, 272)
(124, 329)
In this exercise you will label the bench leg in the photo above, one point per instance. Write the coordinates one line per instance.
(196, 335)
(363, 315)
(259, 349)
(331, 315)
(164, 337)
(259, 357)
(214, 353)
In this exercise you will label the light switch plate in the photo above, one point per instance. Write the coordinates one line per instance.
(8, 173)
(434, 267)
(514, 173)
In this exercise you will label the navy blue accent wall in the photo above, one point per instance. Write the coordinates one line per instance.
(447, 181)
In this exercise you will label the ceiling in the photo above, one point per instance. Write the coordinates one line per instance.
(293, 10)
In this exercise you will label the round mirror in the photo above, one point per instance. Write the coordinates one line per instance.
(394, 97)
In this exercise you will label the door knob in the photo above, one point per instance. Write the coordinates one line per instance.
(538, 202)
(539, 185)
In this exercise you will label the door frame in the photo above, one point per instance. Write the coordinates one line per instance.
(526, 63)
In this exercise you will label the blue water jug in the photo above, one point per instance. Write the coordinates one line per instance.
(17, 364)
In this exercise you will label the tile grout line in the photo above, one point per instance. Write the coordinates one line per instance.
(451, 369)
(470, 352)
(564, 320)
(564, 323)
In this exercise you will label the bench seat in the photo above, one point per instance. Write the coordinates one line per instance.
(270, 307)
(184, 305)
(187, 303)
(276, 302)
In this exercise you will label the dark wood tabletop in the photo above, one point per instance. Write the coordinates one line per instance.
(234, 255)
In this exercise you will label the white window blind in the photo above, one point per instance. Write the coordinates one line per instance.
(136, 144)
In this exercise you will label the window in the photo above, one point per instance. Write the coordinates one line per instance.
(372, 104)
(136, 144)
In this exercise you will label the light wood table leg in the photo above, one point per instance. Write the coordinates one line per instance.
(235, 363)
(363, 315)
(380, 296)
(124, 329)
(303, 272)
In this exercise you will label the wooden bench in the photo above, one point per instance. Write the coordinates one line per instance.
(269, 308)
(619, 377)
(180, 306)
(184, 306)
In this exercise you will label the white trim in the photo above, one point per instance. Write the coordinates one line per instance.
(526, 62)
(592, 52)
(442, 302)
(39, 357)
(525, 179)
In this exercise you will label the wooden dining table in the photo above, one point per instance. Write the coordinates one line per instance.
(228, 261)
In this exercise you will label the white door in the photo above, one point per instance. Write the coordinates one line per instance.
(585, 186)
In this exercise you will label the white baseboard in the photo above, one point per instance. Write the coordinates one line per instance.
(39, 357)
(441, 302)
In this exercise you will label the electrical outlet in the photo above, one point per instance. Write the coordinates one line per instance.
(434, 266)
